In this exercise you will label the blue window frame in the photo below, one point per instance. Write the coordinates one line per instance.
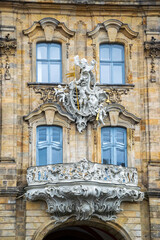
(112, 68)
(114, 146)
(49, 145)
(49, 63)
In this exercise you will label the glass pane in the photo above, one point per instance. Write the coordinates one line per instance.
(42, 156)
(117, 53)
(56, 156)
(55, 72)
(106, 159)
(104, 53)
(42, 51)
(120, 136)
(105, 73)
(117, 72)
(42, 72)
(120, 157)
(106, 135)
(42, 134)
(55, 52)
(56, 131)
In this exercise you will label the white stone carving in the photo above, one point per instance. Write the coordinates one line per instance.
(82, 98)
(82, 171)
(83, 190)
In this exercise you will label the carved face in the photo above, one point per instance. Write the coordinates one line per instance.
(93, 101)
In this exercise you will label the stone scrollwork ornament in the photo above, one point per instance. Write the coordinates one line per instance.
(83, 189)
(82, 98)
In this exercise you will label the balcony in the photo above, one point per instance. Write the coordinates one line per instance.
(83, 189)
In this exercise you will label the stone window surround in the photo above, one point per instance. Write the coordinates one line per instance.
(46, 115)
(126, 57)
(118, 117)
(48, 30)
(113, 31)
(43, 40)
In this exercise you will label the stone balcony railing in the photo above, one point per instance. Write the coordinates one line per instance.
(83, 189)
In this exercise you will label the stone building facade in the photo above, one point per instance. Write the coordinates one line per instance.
(83, 197)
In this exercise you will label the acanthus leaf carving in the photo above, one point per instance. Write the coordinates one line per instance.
(84, 189)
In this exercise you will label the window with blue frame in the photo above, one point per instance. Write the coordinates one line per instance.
(114, 145)
(49, 63)
(112, 65)
(49, 145)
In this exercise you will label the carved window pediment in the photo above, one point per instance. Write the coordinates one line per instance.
(49, 110)
(119, 116)
(47, 115)
(49, 26)
(113, 27)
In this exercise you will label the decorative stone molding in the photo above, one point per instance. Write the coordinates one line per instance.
(46, 109)
(47, 93)
(112, 27)
(49, 25)
(84, 189)
(115, 94)
(152, 50)
(7, 47)
(47, 114)
(121, 116)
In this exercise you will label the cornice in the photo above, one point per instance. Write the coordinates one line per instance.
(86, 2)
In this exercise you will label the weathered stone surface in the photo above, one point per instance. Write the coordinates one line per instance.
(81, 26)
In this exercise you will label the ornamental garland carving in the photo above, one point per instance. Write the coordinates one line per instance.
(84, 189)
(152, 49)
(7, 47)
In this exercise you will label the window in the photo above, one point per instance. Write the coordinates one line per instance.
(114, 146)
(49, 63)
(49, 145)
(112, 64)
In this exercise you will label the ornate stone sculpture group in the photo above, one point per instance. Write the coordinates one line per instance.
(82, 98)
(83, 189)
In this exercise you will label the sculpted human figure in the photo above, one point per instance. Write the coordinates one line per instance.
(82, 98)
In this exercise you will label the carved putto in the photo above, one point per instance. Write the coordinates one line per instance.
(82, 98)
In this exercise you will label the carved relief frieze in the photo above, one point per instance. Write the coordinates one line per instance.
(152, 50)
(115, 94)
(84, 189)
(47, 93)
(7, 48)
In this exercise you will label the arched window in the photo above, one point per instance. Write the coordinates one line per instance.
(49, 145)
(112, 68)
(49, 63)
(114, 145)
